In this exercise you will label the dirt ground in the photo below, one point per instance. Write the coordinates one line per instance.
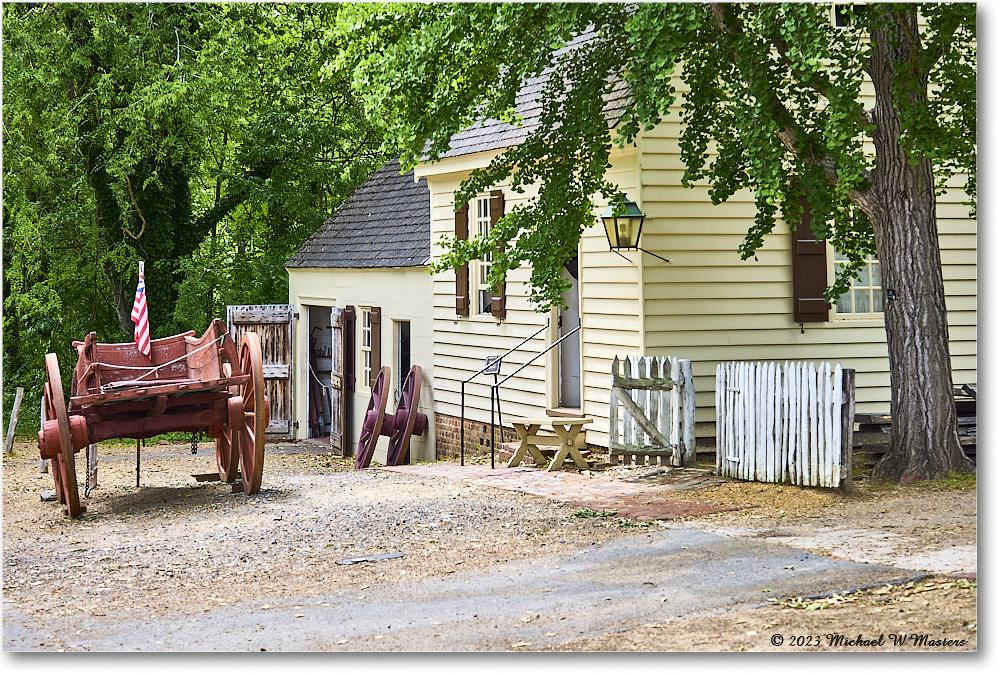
(178, 544)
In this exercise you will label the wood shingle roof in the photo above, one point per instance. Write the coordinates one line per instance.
(386, 222)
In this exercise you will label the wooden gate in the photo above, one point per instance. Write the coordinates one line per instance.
(790, 422)
(337, 390)
(657, 411)
(273, 324)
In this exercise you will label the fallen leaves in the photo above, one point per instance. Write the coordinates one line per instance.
(888, 594)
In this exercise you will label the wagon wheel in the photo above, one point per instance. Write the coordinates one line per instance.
(227, 445)
(55, 462)
(255, 414)
(64, 464)
(373, 419)
(408, 420)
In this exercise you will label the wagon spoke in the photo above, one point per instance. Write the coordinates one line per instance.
(374, 418)
(63, 469)
(255, 413)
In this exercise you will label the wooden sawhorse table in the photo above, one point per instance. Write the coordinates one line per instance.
(569, 436)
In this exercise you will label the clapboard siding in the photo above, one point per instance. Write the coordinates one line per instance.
(706, 304)
(461, 345)
(709, 306)
(610, 302)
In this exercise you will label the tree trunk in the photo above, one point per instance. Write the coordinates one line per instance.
(123, 302)
(924, 439)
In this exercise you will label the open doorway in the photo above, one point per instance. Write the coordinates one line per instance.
(319, 367)
(569, 349)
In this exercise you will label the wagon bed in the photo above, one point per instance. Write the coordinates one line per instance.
(186, 384)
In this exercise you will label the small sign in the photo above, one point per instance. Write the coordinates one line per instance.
(492, 365)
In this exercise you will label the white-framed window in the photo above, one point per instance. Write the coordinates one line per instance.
(864, 297)
(366, 344)
(480, 269)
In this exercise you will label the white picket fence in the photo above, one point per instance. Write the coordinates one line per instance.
(784, 423)
(652, 411)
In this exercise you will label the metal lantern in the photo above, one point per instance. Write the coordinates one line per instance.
(624, 226)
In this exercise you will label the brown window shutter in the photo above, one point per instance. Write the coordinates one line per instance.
(462, 273)
(349, 356)
(376, 317)
(809, 272)
(498, 305)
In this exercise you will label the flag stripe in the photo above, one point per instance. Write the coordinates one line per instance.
(140, 315)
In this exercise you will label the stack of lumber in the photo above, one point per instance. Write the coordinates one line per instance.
(871, 440)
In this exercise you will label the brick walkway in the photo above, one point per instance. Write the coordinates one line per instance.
(637, 502)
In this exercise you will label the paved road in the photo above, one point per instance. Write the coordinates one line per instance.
(628, 582)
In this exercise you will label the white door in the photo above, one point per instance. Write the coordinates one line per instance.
(569, 349)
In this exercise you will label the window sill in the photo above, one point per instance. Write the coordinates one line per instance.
(858, 320)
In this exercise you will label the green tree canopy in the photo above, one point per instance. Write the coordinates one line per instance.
(772, 103)
(209, 140)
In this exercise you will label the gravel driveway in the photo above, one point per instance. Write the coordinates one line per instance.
(178, 564)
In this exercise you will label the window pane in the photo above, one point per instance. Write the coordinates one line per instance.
(865, 294)
(861, 305)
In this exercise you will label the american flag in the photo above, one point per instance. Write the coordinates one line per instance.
(140, 316)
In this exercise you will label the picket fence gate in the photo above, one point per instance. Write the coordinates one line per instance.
(785, 423)
(651, 420)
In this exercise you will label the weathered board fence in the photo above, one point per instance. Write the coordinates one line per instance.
(273, 325)
(785, 423)
(652, 411)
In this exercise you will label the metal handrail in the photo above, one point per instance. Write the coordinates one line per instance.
(495, 395)
(498, 363)
(508, 352)
(527, 363)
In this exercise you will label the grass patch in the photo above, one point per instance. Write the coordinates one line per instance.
(953, 481)
(590, 513)
(626, 524)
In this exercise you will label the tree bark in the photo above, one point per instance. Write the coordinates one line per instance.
(123, 302)
(902, 209)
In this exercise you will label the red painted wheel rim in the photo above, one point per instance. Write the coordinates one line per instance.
(406, 417)
(372, 426)
(255, 414)
(64, 466)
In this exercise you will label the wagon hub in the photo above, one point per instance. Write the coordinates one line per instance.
(49, 444)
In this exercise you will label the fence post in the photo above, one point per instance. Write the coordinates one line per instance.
(9, 443)
(677, 458)
(847, 434)
(687, 415)
(613, 438)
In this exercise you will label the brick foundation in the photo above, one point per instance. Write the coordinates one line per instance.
(447, 435)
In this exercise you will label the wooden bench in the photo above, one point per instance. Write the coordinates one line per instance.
(567, 436)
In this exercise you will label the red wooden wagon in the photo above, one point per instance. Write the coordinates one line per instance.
(186, 384)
